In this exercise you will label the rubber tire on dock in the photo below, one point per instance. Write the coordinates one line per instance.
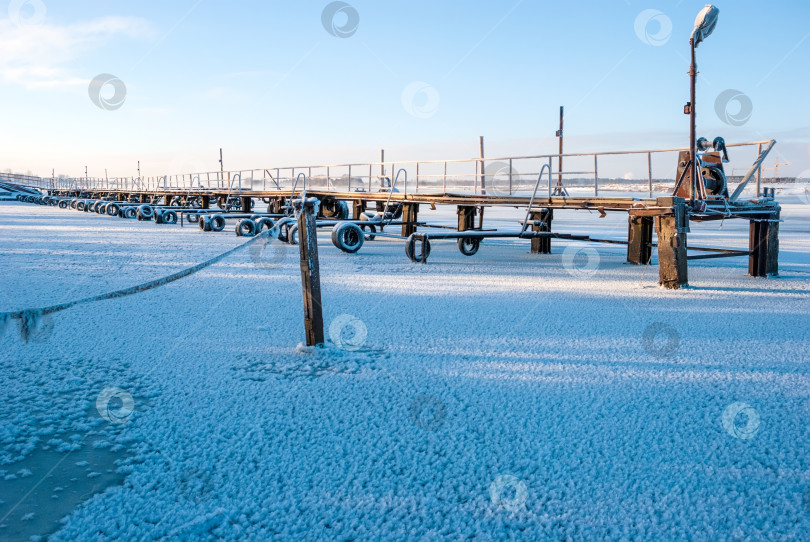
(64, 204)
(158, 216)
(410, 249)
(368, 227)
(194, 218)
(129, 212)
(468, 246)
(204, 223)
(264, 223)
(292, 234)
(81, 205)
(348, 237)
(217, 223)
(113, 209)
(96, 206)
(145, 212)
(170, 217)
(342, 210)
(246, 228)
(282, 232)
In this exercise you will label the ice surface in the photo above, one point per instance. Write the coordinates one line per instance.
(494, 397)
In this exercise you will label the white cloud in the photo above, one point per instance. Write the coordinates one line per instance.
(39, 56)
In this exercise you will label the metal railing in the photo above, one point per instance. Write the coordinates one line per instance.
(478, 176)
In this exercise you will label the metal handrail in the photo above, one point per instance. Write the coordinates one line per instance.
(391, 192)
(534, 194)
(124, 183)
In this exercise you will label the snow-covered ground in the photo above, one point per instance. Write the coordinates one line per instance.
(502, 396)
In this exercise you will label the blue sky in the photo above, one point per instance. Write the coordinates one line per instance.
(269, 83)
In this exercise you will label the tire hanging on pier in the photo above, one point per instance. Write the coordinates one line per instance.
(146, 212)
(264, 223)
(246, 228)
(348, 237)
(468, 245)
(217, 223)
(292, 234)
(410, 249)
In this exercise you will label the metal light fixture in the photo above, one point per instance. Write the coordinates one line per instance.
(705, 23)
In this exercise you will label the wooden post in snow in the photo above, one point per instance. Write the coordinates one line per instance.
(310, 270)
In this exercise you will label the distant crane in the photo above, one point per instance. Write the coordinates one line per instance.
(776, 168)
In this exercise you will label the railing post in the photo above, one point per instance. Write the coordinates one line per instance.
(595, 175)
(649, 171)
(510, 176)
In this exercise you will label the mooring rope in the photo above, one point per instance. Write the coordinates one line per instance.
(30, 316)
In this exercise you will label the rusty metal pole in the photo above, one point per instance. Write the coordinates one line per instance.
(483, 180)
(560, 160)
(310, 271)
(481, 156)
(692, 129)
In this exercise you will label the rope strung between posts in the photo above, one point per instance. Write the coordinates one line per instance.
(30, 316)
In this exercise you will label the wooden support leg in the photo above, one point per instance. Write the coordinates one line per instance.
(206, 202)
(167, 200)
(772, 267)
(466, 217)
(639, 239)
(247, 204)
(758, 231)
(410, 212)
(672, 265)
(358, 208)
(542, 245)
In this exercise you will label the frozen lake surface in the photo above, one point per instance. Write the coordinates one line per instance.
(502, 396)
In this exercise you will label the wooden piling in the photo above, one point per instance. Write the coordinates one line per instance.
(206, 202)
(671, 230)
(758, 237)
(639, 239)
(310, 271)
(247, 204)
(466, 217)
(772, 267)
(541, 245)
(410, 212)
(358, 208)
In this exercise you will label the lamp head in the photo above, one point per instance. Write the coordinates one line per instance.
(705, 23)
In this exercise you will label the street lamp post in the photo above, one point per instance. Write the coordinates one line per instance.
(704, 26)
